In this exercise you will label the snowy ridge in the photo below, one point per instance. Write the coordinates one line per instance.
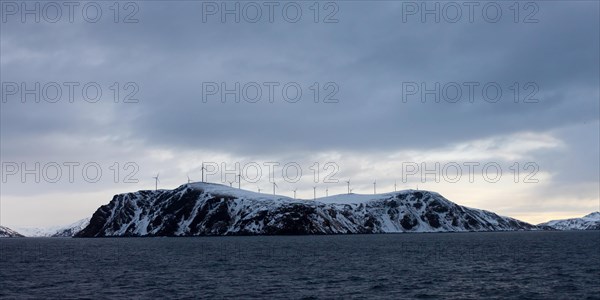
(587, 222)
(214, 209)
(7, 232)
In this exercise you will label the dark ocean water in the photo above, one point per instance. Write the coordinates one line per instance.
(513, 265)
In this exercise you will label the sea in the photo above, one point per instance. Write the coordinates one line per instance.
(477, 265)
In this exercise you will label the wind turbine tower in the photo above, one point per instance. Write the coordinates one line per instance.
(274, 186)
(348, 182)
(156, 181)
(375, 187)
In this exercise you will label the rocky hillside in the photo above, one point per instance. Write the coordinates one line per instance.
(7, 232)
(213, 209)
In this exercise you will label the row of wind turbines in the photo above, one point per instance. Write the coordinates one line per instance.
(275, 186)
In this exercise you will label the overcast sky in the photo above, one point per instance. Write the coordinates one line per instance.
(369, 62)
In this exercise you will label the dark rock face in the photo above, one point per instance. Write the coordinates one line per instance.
(208, 209)
(408, 222)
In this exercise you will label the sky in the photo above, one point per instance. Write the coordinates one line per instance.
(495, 106)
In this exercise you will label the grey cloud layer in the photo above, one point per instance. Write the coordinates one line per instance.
(368, 54)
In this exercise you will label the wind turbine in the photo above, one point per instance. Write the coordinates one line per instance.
(314, 193)
(394, 185)
(203, 168)
(258, 189)
(274, 185)
(326, 192)
(156, 181)
(348, 182)
(295, 193)
(231, 183)
(189, 180)
(375, 187)
(239, 180)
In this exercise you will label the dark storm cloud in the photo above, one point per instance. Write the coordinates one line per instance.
(368, 55)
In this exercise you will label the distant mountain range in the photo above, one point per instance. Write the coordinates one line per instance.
(198, 209)
(213, 209)
(55, 231)
(587, 222)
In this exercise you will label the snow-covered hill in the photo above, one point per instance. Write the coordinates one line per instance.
(55, 231)
(214, 209)
(71, 229)
(587, 222)
(36, 231)
(7, 232)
